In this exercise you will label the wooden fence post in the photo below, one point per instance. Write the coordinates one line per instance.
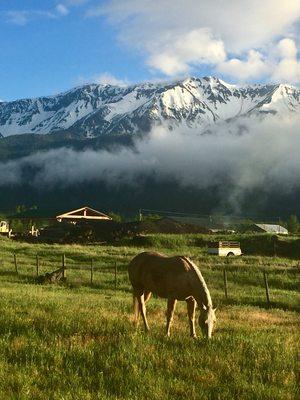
(274, 239)
(63, 262)
(37, 265)
(115, 275)
(92, 271)
(267, 287)
(16, 264)
(225, 282)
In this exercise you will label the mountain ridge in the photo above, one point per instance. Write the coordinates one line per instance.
(94, 110)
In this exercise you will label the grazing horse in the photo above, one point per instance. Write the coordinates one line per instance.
(173, 278)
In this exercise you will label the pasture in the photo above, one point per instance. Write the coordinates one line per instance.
(77, 341)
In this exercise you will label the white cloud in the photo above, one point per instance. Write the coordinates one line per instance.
(193, 48)
(24, 16)
(104, 79)
(252, 68)
(62, 9)
(239, 160)
(288, 67)
(177, 36)
(17, 17)
(287, 48)
(108, 79)
(242, 24)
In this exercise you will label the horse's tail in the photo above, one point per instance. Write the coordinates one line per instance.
(135, 308)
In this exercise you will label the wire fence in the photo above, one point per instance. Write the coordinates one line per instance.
(87, 272)
(113, 275)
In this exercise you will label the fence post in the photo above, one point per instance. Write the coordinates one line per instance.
(92, 271)
(267, 287)
(225, 282)
(37, 265)
(115, 275)
(16, 264)
(274, 239)
(63, 262)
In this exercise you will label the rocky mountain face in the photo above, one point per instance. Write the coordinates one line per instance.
(95, 110)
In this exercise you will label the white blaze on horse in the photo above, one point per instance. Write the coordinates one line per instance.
(173, 278)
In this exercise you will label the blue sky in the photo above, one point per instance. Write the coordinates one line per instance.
(48, 46)
(46, 55)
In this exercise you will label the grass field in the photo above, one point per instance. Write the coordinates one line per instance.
(77, 341)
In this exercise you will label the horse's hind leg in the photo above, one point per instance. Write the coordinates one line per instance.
(142, 308)
(191, 307)
(147, 296)
(136, 310)
(170, 313)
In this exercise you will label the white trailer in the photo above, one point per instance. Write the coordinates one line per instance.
(225, 249)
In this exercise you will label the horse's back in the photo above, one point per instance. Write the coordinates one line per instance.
(154, 260)
(141, 263)
(158, 273)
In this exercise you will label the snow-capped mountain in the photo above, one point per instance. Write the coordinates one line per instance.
(93, 110)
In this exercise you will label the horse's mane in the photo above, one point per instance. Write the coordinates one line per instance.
(201, 280)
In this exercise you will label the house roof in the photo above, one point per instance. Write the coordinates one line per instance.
(272, 228)
(87, 213)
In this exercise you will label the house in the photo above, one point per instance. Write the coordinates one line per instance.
(269, 228)
(83, 214)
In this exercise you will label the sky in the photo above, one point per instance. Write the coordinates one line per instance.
(49, 46)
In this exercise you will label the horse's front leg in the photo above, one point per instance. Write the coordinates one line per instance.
(191, 307)
(170, 313)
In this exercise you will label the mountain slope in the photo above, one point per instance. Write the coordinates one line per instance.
(93, 110)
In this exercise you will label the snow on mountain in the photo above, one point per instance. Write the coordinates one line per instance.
(93, 109)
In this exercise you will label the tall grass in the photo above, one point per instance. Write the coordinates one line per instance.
(75, 341)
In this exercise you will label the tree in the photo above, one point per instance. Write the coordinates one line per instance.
(116, 217)
(293, 224)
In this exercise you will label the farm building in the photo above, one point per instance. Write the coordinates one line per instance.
(5, 229)
(83, 214)
(269, 228)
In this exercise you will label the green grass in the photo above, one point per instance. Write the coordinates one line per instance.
(75, 341)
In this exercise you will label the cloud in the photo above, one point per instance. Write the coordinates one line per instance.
(281, 64)
(105, 78)
(17, 17)
(176, 36)
(24, 16)
(240, 23)
(253, 67)
(288, 67)
(265, 157)
(62, 9)
(108, 79)
(195, 47)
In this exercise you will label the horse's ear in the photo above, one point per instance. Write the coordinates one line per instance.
(204, 307)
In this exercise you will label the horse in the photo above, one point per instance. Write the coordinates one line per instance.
(174, 278)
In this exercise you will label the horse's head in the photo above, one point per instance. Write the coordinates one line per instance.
(207, 319)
